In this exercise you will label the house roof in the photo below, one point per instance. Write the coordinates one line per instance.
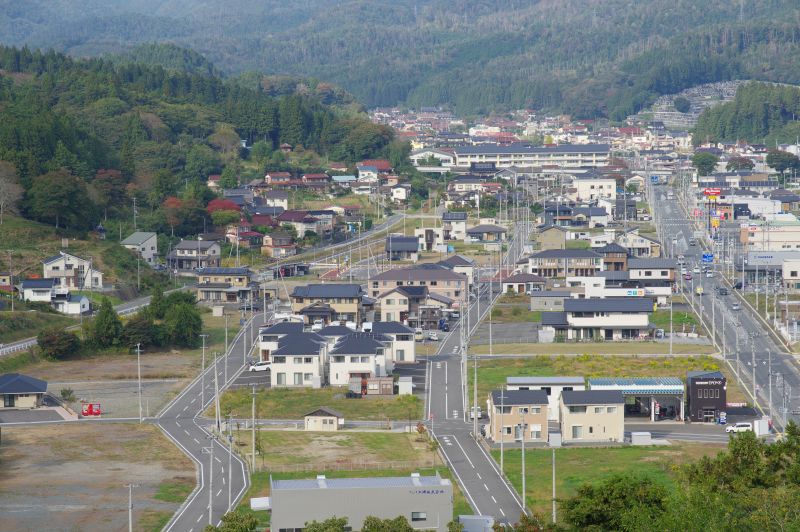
(402, 243)
(284, 327)
(356, 344)
(454, 216)
(423, 272)
(519, 397)
(456, 260)
(61, 254)
(298, 344)
(335, 330)
(17, 383)
(566, 254)
(202, 245)
(38, 283)
(554, 319)
(524, 278)
(613, 247)
(138, 238)
(317, 309)
(609, 304)
(390, 327)
(634, 264)
(328, 290)
(486, 228)
(276, 194)
(592, 397)
(223, 271)
(493, 149)
(324, 411)
(535, 381)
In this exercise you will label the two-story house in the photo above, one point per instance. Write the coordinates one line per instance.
(517, 415)
(399, 247)
(276, 198)
(302, 222)
(298, 361)
(615, 257)
(416, 306)
(552, 387)
(652, 272)
(144, 244)
(71, 272)
(402, 349)
(559, 263)
(592, 416)
(359, 356)
(188, 255)
(278, 244)
(460, 264)
(225, 285)
(329, 302)
(487, 233)
(454, 225)
(437, 278)
(638, 245)
(613, 318)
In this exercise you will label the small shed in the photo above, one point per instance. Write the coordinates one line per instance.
(21, 391)
(405, 385)
(323, 419)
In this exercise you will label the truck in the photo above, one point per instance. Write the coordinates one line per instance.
(761, 426)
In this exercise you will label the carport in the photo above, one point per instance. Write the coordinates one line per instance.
(654, 397)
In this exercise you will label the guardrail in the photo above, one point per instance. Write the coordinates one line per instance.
(17, 347)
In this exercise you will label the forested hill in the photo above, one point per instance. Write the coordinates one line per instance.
(167, 55)
(760, 113)
(161, 132)
(587, 57)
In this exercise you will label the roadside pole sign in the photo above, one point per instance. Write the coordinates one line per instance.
(654, 179)
(708, 257)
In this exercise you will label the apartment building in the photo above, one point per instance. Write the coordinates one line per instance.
(592, 416)
(71, 272)
(594, 189)
(437, 278)
(617, 318)
(505, 156)
(517, 415)
(558, 263)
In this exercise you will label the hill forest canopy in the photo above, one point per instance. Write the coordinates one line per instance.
(586, 58)
(85, 137)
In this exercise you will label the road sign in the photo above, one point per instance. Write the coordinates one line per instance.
(712, 191)
(654, 179)
(715, 222)
(708, 257)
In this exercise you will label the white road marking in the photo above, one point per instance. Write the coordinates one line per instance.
(217, 459)
(463, 486)
(502, 512)
(195, 440)
(199, 518)
(479, 476)
(465, 452)
(186, 431)
(193, 400)
(494, 500)
(485, 486)
(220, 491)
(178, 423)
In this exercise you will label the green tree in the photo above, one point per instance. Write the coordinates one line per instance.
(140, 329)
(608, 504)
(739, 163)
(235, 522)
(183, 325)
(261, 152)
(333, 524)
(157, 307)
(704, 162)
(201, 161)
(223, 217)
(229, 177)
(59, 197)
(106, 329)
(455, 526)
(682, 105)
(781, 161)
(58, 344)
(376, 524)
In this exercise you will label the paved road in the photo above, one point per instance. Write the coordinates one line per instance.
(477, 473)
(747, 343)
(182, 423)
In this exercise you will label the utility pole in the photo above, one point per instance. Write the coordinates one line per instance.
(130, 505)
(216, 393)
(522, 431)
(253, 442)
(226, 333)
(554, 485)
(230, 459)
(502, 430)
(139, 372)
(769, 376)
(210, 451)
(11, 280)
(203, 373)
(138, 275)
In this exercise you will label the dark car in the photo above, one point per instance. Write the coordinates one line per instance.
(723, 291)
(738, 285)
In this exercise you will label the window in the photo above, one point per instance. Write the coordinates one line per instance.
(298, 360)
(523, 410)
(307, 376)
(308, 360)
(598, 410)
(577, 410)
(547, 390)
(401, 355)
(433, 283)
(353, 359)
(505, 409)
(536, 432)
(298, 378)
(338, 359)
(611, 409)
(403, 301)
(419, 516)
(705, 394)
(648, 273)
(591, 430)
(699, 394)
(577, 431)
(536, 410)
(390, 301)
(716, 393)
(280, 379)
(279, 360)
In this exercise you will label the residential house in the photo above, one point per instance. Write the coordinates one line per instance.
(615, 257)
(652, 272)
(400, 192)
(552, 237)
(359, 356)
(559, 263)
(276, 198)
(466, 183)
(437, 278)
(517, 415)
(21, 391)
(368, 174)
(71, 272)
(38, 290)
(225, 285)
(278, 244)
(460, 264)
(592, 416)
(71, 304)
(431, 238)
(302, 222)
(269, 337)
(487, 233)
(188, 255)
(316, 180)
(399, 247)
(415, 306)
(614, 318)
(638, 245)
(344, 180)
(323, 419)
(5, 282)
(552, 386)
(523, 283)
(145, 244)
(594, 188)
(277, 178)
(298, 361)
(403, 348)
(329, 302)
(382, 165)
(454, 225)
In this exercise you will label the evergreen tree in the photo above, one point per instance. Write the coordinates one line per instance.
(106, 329)
(183, 325)
(156, 308)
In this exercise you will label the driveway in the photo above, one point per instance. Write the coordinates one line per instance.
(29, 416)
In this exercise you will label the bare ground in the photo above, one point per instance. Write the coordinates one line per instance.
(73, 477)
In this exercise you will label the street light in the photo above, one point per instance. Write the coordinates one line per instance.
(210, 451)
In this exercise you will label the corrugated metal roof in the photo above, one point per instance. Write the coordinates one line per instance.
(344, 483)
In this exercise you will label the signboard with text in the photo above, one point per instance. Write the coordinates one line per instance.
(712, 191)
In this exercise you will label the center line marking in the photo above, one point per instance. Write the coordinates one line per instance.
(199, 518)
(494, 500)
(195, 440)
(220, 491)
(485, 486)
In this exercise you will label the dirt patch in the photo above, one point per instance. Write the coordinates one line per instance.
(154, 366)
(75, 475)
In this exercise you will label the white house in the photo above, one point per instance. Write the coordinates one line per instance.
(359, 355)
(401, 192)
(144, 243)
(38, 290)
(593, 189)
(69, 271)
(402, 349)
(72, 304)
(298, 361)
(553, 386)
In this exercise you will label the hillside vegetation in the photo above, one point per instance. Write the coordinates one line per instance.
(587, 57)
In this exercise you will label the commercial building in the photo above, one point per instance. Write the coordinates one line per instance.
(516, 415)
(552, 386)
(425, 501)
(592, 416)
(654, 397)
(707, 397)
(565, 156)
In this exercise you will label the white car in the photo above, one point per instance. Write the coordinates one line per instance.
(433, 336)
(739, 427)
(709, 274)
(475, 410)
(696, 269)
(262, 365)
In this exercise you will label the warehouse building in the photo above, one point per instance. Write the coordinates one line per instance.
(426, 502)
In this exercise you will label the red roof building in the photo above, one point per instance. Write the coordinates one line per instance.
(381, 164)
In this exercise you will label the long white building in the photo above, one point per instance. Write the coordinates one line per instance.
(565, 156)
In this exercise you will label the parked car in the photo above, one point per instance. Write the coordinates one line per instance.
(476, 410)
(433, 336)
(737, 285)
(739, 427)
(261, 365)
(722, 291)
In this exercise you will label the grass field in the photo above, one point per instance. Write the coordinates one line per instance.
(578, 244)
(18, 325)
(492, 373)
(97, 297)
(680, 321)
(577, 466)
(598, 348)
(507, 314)
(259, 486)
(294, 403)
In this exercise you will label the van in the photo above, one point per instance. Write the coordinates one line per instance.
(692, 242)
(418, 335)
(739, 427)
